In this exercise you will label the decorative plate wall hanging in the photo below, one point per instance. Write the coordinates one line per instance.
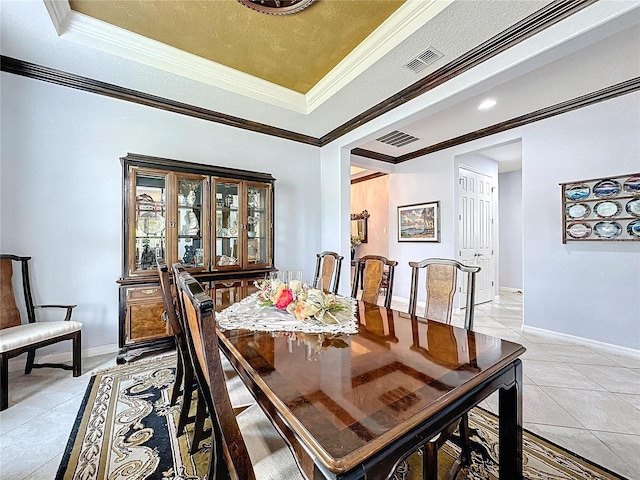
(601, 209)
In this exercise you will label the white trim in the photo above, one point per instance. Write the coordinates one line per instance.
(100, 35)
(584, 341)
(20, 361)
(60, 12)
(412, 15)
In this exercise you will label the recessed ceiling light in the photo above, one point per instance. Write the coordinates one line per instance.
(487, 104)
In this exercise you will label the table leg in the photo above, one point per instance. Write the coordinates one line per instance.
(510, 418)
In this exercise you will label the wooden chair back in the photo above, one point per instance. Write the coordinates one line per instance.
(441, 284)
(371, 272)
(328, 266)
(9, 313)
(229, 455)
(167, 299)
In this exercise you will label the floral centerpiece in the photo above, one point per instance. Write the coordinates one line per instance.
(301, 301)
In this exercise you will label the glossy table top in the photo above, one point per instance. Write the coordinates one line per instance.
(349, 395)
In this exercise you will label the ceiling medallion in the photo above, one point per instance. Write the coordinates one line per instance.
(277, 7)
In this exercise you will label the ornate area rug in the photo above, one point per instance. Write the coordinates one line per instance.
(126, 429)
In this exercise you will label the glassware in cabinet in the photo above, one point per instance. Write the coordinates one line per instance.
(228, 224)
(258, 225)
(191, 232)
(147, 220)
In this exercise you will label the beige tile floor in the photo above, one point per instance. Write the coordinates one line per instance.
(581, 397)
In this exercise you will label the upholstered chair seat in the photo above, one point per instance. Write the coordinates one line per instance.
(31, 333)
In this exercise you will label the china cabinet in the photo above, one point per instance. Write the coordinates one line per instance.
(216, 221)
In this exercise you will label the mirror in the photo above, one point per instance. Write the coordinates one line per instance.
(359, 225)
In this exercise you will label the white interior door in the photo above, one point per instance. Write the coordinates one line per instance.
(476, 231)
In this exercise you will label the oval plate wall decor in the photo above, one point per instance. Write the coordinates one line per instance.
(632, 185)
(578, 210)
(633, 229)
(579, 230)
(607, 209)
(606, 189)
(633, 207)
(578, 191)
(607, 229)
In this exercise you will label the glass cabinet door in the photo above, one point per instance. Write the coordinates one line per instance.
(191, 221)
(148, 216)
(258, 225)
(227, 224)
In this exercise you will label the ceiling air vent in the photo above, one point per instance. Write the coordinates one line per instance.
(423, 59)
(397, 138)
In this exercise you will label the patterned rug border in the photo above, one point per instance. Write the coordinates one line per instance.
(143, 364)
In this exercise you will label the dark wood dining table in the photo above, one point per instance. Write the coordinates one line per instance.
(353, 406)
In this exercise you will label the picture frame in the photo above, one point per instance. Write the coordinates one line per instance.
(419, 222)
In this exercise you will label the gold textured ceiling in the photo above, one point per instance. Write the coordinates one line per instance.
(294, 51)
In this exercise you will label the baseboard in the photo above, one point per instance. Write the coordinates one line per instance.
(584, 341)
(511, 289)
(18, 363)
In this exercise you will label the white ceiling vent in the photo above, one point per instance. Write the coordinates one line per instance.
(397, 138)
(423, 59)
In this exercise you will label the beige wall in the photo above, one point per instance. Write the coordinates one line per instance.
(373, 196)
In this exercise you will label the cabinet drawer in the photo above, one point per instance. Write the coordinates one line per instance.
(151, 294)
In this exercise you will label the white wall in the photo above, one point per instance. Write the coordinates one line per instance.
(373, 196)
(62, 187)
(425, 179)
(510, 226)
(587, 289)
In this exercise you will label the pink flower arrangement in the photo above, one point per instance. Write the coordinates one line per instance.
(301, 301)
(284, 299)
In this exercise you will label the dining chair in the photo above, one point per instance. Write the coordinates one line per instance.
(328, 266)
(240, 397)
(441, 285)
(185, 379)
(17, 337)
(370, 273)
(244, 446)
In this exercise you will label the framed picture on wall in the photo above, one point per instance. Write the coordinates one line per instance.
(419, 222)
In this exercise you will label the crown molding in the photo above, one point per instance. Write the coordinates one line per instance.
(542, 19)
(103, 36)
(412, 15)
(60, 12)
(46, 74)
(371, 176)
(117, 41)
(58, 77)
(361, 152)
(608, 93)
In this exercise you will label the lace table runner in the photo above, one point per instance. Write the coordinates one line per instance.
(250, 315)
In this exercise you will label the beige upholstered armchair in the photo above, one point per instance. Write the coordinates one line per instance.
(17, 337)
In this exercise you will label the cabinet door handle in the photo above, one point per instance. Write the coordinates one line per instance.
(149, 291)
